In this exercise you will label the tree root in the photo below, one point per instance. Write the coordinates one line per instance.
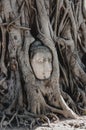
(81, 109)
(30, 118)
(69, 101)
(67, 111)
(12, 118)
(15, 41)
(2, 120)
(52, 116)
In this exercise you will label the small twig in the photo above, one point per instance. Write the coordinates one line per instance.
(2, 63)
(62, 21)
(21, 27)
(53, 116)
(44, 117)
(3, 24)
(56, 18)
(11, 119)
(1, 81)
(17, 121)
(3, 118)
(32, 124)
(15, 19)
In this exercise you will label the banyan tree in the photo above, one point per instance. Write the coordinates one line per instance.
(42, 60)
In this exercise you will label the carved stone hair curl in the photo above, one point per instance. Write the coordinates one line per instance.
(38, 46)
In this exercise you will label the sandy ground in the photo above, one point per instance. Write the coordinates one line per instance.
(71, 124)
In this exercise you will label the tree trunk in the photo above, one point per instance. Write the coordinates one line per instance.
(42, 29)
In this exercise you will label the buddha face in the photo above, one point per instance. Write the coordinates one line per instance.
(42, 65)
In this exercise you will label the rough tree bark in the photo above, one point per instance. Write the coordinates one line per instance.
(58, 25)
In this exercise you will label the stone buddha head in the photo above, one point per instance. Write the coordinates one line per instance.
(40, 60)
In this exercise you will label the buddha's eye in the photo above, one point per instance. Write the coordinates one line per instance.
(49, 60)
(44, 60)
